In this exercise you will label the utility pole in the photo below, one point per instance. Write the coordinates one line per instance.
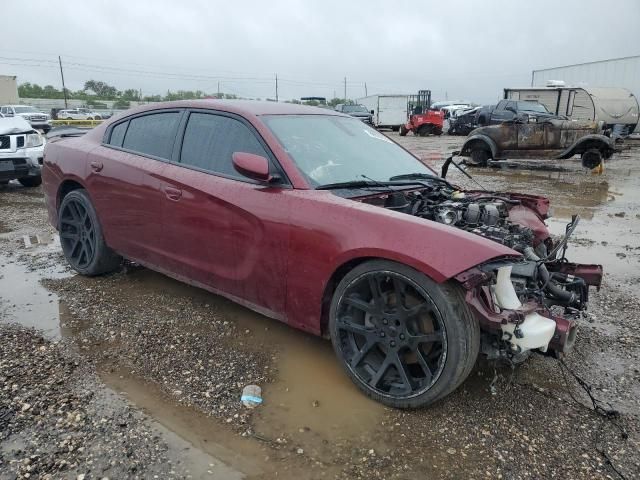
(276, 87)
(218, 89)
(365, 90)
(345, 89)
(64, 89)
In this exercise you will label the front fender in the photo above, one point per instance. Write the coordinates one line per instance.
(332, 233)
(601, 142)
(476, 138)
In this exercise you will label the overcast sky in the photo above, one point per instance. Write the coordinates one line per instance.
(458, 49)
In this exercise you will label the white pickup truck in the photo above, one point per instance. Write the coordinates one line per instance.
(35, 117)
(21, 152)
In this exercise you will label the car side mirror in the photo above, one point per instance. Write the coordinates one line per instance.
(252, 166)
(372, 112)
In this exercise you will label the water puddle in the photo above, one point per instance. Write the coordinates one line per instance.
(312, 403)
(24, 300)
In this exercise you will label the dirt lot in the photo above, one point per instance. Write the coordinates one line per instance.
(134, 375)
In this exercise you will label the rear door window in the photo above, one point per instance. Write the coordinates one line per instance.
(210, 141)
(117, 134)
(152, 134)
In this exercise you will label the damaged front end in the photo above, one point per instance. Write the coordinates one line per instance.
(530, 301)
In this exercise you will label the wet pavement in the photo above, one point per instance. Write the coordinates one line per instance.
(182, 356)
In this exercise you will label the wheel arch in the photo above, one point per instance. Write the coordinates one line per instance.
(599, 142)
(66, 186)
(479, 140)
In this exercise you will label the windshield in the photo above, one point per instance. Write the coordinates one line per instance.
(331, 149)
(26, 110)
(354, 108)
(532, 107)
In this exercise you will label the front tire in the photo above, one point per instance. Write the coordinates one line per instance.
(81, 236)
(425, 130)
(30, 182)
(479, 158)
(403, 131)
(404, 340)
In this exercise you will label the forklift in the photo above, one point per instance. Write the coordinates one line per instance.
(422, 120)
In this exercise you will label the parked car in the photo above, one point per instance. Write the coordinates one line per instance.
(450, 110)
(91, 114)
(540, 139)
(358, 111)
(21, 152)
(506, 110)
(35, 117)
(463, 122)
(78, 114)
(315, 219)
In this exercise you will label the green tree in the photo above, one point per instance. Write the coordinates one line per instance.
(130, 94)
(101, 90)
(335, 101)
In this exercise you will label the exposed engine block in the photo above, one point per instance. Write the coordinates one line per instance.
(484, 216)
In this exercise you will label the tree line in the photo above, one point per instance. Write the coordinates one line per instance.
(95, 92)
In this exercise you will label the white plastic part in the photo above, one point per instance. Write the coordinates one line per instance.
(505, 293)
(535, 331)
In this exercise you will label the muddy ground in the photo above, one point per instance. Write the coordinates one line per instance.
(134, 375)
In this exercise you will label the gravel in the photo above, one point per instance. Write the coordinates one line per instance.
(58, 421)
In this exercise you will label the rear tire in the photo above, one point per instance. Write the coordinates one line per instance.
(404, 353)
(591, 158)
(30, 182)
(403, 131)
(81, 236)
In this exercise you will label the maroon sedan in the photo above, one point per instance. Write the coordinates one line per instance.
(315, 219)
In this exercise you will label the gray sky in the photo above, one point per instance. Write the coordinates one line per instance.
(459, 49)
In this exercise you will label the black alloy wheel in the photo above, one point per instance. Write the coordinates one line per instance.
(394, 338)
(81, 236)
(77, 233)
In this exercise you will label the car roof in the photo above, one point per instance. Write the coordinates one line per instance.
(241, 107)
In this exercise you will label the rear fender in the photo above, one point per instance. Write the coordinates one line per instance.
(600, 142)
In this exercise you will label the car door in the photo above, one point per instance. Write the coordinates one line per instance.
(223, 230)
(124, 183)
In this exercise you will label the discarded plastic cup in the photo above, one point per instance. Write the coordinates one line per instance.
(251, 396)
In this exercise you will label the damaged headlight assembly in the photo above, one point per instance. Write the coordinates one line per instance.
(33, 140)
(530, 303)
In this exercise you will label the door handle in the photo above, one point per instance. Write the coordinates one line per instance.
(96, 166)
(172, 193)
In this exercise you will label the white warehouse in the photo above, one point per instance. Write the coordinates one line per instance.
(617, 72)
